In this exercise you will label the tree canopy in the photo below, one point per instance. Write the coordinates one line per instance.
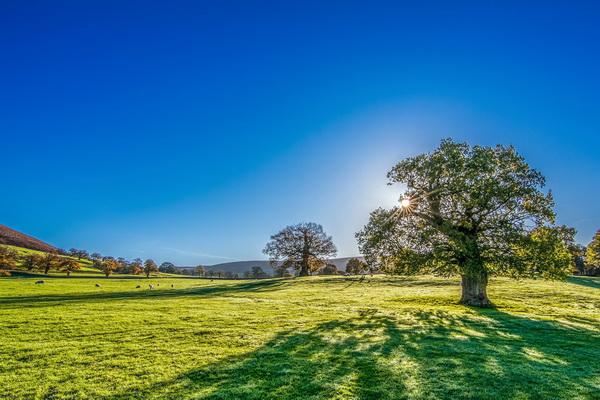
(469, 211)
(304, 247)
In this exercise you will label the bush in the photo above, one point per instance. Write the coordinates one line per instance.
(4, 273)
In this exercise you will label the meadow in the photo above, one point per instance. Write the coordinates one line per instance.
(303, 338)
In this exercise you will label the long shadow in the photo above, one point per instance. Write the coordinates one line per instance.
(488, 354)
(593, 282)
(43, 300)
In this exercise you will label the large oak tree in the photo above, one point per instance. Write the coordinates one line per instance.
(469, 211)
(304, 247)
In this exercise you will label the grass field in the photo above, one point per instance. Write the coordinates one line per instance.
(309, 338)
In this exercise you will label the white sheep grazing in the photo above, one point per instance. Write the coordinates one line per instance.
(39, 282)
(151, 286)
(98, 285)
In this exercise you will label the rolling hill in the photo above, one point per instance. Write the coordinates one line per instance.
(15, 238)
(242, 266)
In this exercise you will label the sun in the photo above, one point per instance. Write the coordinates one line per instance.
(405, 202)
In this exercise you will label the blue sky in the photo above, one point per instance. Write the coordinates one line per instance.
(191, 131)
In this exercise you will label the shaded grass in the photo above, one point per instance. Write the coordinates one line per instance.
(313, 338)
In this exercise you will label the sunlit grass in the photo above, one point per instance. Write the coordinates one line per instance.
(313, 338)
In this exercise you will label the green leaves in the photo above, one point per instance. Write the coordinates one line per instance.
(473, 209)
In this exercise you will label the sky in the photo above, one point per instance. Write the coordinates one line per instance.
(192, 131)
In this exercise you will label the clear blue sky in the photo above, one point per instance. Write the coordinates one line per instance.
(191, 131)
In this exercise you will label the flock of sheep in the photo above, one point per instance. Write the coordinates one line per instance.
(150, 286)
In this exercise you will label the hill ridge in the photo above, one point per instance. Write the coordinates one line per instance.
(13, 237)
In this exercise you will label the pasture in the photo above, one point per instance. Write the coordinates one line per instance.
(303, 338)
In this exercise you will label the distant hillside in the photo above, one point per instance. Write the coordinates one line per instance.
(242, 266)
(14, 238)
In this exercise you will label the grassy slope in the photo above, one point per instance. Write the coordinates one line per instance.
(86, 265)
(312, 338)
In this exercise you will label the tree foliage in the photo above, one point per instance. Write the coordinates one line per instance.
(469, 211)
(354, 266)
(304, 247)
(149, 267)
(8, 258)
(592, 255)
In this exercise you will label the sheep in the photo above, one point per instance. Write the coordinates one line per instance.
(98, 285)
(138, 286)
(171, 286)
(39, 282)
(151, 286)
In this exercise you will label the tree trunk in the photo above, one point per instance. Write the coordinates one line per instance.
(303, 269)
(474, 290)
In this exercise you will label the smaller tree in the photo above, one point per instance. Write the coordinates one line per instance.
(304, 246)
(95, 256)
(199, 270)
(257, 272)
(69, 265)
(167, 268)
(32, 261)
(49, 261)
(136, 266)
(108, 265)
(282, 270)
(8, 258)
(149, 267)
(329, 269)
(354, 266)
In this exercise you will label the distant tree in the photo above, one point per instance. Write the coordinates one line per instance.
(8, 258)
(305, 247)
(68, 265)
(469, 211)
(282, 270)
(592, 255)
(354, 266)
(95, 256)
(257, 272)
(199, 270)
(168, 268)
(107, 265)
(32, 261)
(78, 253)
(229, 275)
(328, 269)
(149, 267)
(136, 267)
(48, 262)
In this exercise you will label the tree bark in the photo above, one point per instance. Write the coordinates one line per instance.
(474, 290)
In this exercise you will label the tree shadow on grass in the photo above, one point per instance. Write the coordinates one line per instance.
(593, 282)
(43, 299)
(487, 354)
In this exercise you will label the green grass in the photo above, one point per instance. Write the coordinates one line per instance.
(310, 338)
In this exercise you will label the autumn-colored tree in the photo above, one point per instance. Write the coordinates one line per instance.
(69, 265)
(149, 267)
(49, 261)
(8, 258)
(468, 211)
(136, 267)
(304, 247)
(32, 261)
